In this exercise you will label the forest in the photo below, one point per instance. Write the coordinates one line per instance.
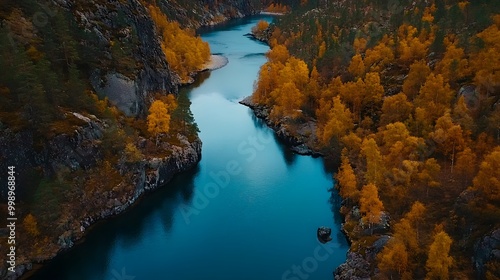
(405, 96)
(47, 97)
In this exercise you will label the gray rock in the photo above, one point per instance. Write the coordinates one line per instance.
(485, 250)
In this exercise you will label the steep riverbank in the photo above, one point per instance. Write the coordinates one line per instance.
(245, 191)
(364, 245)
(299, 137)
(84, 173)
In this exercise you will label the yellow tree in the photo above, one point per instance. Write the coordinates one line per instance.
(448, 137)
(419, 71)
(395, 108)
(461, 115)
(486, 60)
(158, 119)
(374, 162)
(347, 181)
(394, 259)
(434, 97)
(416, 216)
(454, 65)
(379, 56)
(428, 176)
(411, 47)
(466, 164)
(439, 260)
(278, 53)
(30, 225)
(487, 181)
(357, 67)
(339, 123)
(371, 206)
(289, 101)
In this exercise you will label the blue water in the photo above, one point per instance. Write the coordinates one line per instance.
(250, 210)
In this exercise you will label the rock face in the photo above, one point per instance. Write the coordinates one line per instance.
(354, 268)
(299, 142)
(147, 175)
(131, 89)
(486, 249)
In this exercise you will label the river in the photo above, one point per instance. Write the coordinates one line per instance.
(250, 209)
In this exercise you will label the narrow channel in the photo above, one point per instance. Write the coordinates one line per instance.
(250, 209)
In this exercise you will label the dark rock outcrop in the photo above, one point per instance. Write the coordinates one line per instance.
(485, 250)
(300, 142)
(354, 268)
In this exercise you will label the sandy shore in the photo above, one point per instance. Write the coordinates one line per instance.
(216, 62)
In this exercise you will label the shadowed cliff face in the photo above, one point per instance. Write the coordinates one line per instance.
(127, 24)
(116, 40)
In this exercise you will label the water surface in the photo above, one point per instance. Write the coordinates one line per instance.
(250, 210)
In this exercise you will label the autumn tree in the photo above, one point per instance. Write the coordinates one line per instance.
(30, 225)
(289, 101)
(484, 62)
(429, 175)
(374, 162)
(132, 154)
(419, 71)
(260, 27)
(371, 206)
(416, 217)
(359, 45)
(379, 56)
(339, 123)
(462, 115)
(454, 65)
(395, 108)
(347, 182)
(184, 52)
(448, 137)
(411, 46)
(487, 180)
(357, 67)
(158, 119)
(393, 259)
(466, 165)
(439, 260)
(433, 101)
(278, 53)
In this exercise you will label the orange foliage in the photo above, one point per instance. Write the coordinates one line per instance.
(347, 182)
(261, 26)
(485, 62)
(487, 180)
(411, 47)
(439, 261)
(370, 205)
(184, 52)
(277, 8)
(379, 56)
(357, 67)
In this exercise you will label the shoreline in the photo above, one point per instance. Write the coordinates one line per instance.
(356, 266)
(299, 142)
(216, 61)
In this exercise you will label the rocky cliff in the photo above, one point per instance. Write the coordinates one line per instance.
(79, 172)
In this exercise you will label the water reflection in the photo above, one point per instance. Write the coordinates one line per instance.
(102, 237)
